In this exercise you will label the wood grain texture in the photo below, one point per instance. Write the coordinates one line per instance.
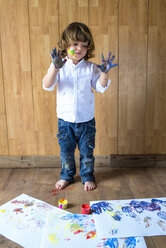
(17, 76)
(72, 11)
(130, 115)
(132, 75)
(3, 124)
(155, 132)
(103, 21)
(44, 35)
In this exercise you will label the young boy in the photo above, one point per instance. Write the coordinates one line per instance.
(75, 77)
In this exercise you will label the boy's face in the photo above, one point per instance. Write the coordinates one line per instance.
(77, 51)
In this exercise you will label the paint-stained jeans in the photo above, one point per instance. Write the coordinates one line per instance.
(81, 134)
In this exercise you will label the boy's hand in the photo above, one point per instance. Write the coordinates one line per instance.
(107, 64)
(57, 58)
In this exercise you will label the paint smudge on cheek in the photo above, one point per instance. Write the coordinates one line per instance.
(71, 52)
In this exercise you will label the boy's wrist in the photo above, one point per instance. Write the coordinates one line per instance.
(54, 68)
(103, 79)
(104, 76)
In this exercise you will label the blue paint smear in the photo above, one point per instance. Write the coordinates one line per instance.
(128, 210)
(116, 217)
(140, 206)
(74, 217)
(112, 243)
(162, 215)
(130, 243)
(98, 208)
(157, 201)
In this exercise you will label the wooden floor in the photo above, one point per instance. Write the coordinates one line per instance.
(112, 184)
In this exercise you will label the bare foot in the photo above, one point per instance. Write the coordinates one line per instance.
(88, 186)
(61, 184)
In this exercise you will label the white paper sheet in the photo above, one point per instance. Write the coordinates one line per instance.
(76, 230)
(128, 218)
(23, 219)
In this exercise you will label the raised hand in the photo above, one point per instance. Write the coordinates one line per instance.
(107, 64)
(57, 58)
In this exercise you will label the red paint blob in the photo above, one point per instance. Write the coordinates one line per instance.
(78, 231)
(91, 234)
(85, 209)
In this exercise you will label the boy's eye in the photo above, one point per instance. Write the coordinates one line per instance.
(75, 44)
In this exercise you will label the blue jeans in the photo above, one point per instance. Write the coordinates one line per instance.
(69, 135)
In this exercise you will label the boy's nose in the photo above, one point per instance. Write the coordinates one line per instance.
(79, 47)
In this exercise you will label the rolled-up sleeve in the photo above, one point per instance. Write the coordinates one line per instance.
(100, 88)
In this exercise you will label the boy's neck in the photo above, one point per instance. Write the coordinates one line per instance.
(75, 62)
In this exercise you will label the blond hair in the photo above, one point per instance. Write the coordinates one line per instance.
(77, 31)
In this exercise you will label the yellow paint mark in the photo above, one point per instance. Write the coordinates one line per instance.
(52, 238)
(3, 211)
(71, 52)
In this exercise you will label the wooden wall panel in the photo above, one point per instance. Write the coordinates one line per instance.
(103, 21)
(3, 125)
(72, 11)
(132, 75)
(155, 131)
(44, 35)
(17, 76)
(130, 115)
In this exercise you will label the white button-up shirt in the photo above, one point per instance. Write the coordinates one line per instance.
(75, 97)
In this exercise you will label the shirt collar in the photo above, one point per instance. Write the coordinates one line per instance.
(71, 62)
